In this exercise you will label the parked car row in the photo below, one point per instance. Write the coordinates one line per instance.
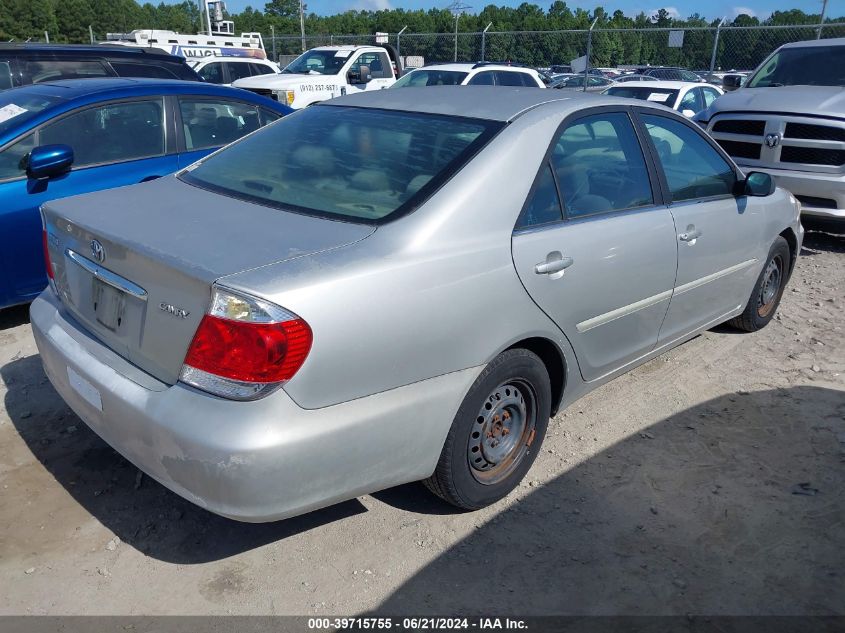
(537, 244)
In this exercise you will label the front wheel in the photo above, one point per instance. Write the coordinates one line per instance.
(496, 433)
(767, 292)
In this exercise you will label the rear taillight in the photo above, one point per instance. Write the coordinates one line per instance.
(47, 263)
(245, 347)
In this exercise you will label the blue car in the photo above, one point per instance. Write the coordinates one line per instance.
(69, 137)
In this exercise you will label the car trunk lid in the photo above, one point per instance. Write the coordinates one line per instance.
(135, 265)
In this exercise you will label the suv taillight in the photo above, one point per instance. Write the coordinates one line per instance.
(245, 347)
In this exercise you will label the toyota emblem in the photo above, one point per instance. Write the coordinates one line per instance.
(98, 251)
(772, 140)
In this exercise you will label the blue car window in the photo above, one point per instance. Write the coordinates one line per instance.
(214, 122)
(5, 76)
(12, 164)
(111, 133)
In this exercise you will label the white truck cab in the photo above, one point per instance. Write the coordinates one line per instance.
(326, 72)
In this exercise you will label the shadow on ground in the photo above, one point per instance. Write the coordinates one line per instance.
(815, 241)
(14, 316)
(735, 506)
(148, 517)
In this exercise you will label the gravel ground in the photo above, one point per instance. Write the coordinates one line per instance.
(708, 481)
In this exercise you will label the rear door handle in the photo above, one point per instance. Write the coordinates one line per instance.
(555, 263)
(690, 235)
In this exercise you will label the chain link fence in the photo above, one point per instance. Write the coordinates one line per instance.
(699, 49)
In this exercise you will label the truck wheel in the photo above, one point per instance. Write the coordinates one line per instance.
(767, 292)
(496, 433)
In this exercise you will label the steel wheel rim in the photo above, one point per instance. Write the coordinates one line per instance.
(769, 289)
(502, 432)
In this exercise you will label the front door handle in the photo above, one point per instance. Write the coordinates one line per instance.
(690, 235)
(555, 263)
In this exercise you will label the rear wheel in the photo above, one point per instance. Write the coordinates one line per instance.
(496, 433)
(767, 292)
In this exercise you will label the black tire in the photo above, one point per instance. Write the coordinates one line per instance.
(516, 386)
(768, 290)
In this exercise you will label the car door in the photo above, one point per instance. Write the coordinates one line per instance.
(207, 123)
(381, 72)
(717, 232)
(594, 246)
(114, 144)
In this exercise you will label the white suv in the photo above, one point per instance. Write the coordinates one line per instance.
(480, 74)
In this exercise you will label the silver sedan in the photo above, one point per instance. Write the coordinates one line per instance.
(397, 286)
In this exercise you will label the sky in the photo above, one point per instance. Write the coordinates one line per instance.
(683, 8)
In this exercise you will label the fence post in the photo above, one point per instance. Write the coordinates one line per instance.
(715, 49)
(91, 33)
(273, 37)
(46, 37)
(587, 58)
(821, 21)
(398, 43)
(484, 40)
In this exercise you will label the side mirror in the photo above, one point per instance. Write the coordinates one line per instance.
(688, 113)
(731, 82)
(758, 183)
(364, 74)
(47, 161)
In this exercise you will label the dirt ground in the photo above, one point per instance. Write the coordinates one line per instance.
(708, 481)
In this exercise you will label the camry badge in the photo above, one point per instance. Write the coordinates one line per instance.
(172, 309)
(98, 251)
(772, 140)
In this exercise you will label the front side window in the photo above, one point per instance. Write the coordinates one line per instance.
(691, 101)
(214, 122)
(359, 164)
(56, 69)
(13, 158)
(110, 133)
(212, 73)
(378, 63)
(5, 75)
(693, 168)
(318, 62)
(710, 95)
(600, 167)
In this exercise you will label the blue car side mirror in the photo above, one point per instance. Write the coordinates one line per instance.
(47, 161)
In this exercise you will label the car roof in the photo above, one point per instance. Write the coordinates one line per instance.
(128, 86)
(493, 103)
(833, 41)
(666, 85)
(468, 66)
(102, 50)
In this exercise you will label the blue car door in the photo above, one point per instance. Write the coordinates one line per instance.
(211, 122)
(114, 144)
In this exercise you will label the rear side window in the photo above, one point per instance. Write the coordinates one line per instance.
(693, 168)
(151, 70)
(36, 71)
(5, 75)
(482, 79)
(507, 78)
(360, 164)
(210, 123)
(600, 167)
(111, 133)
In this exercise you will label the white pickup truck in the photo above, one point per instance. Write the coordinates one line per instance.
(326, 72)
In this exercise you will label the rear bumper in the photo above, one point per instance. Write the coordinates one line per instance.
(812, 186)
(251, 461)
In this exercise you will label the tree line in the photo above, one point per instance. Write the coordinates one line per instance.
(69, 21)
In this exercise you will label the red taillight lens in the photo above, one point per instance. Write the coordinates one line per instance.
(47, 263)
(250, 352)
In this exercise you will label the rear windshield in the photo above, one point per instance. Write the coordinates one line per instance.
(359, 164)
(16, 106)
(431, 78)
(665, 96)
(810, 66)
